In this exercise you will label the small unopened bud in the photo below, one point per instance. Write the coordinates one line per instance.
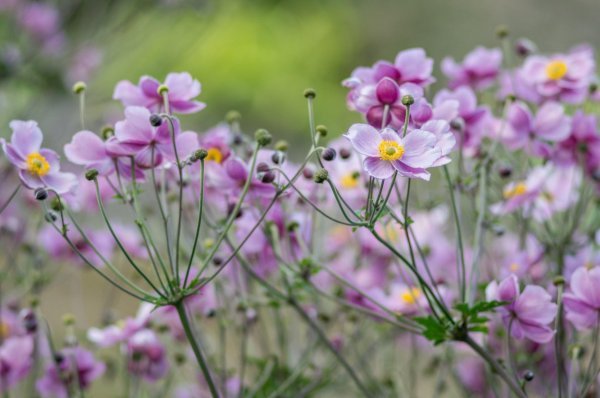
(322, 130)
(199, 154)
(281, 145)
(329, 154)
(525, 47)
(278, 157)
(321, 176)
(528, 376)
(263, 137)
(68, 319)
(502, 31)
(593, 87)
(155, 120)
(387, 91)
(308, 173)
(458, 124)
(91, 174)
(29, 321)
(233, 117)
(217, 261)
(231, 208)
(179, 358)
(50, 216)
(408, 100)
(162, 89)
(262, 167)
(345, 153)
(59, 358)
(596, 175)
(558, 280)
(79, 87)
(505, 171)
(40, 194)
(511, 98)
(267, 177)
(107, 132)
(310, 93)
(292, 226)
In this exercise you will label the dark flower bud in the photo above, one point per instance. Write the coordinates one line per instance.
(155, 120)
(278, 157)
(233, 117)
(321, 175)
(307, 173)
(502, 31)
(505, 171)
(525, 47)
(292, 226)
(408, 100)
(558, 280)
(91, 174)
(281, 145)
(345, 153)
(50, 216)
(322, 130)
(267, 177)
(528, 376)
(179, 359)
(262, 167)
(231, 208)
(263, 137)
(217, 261)
(59, 358)
(387, 91)
(199, 154)
(29, 321)
(79, 87)
(511, 98)
(329, 154)
(593, 87)
(310, 93)
(458, 124)
(237, 139)
(40, 194)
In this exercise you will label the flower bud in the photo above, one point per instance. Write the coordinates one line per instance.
(502, 31)
(40, 194)
(107, 132)
(558, 280)
(29, 321)
(69, 319)
(593, 87)
(233, 117)
(199, 154)
(91, 174)
(281, 145)
(321, 130)
(231, 208)
(320, 176)
(267, 177)
(79, 87)
(179, 359)
(307, 173)
(50, 216)
(528, 376)
(278, 157)
(155, 120)
(329, 154)
(162, 89)
(345, 153)
(458, 124)
(505, 171)
(263, 137)
(310, 93)
(387, 91)
(262, 167)
(217, 261)
(408, 100)
(525, 47)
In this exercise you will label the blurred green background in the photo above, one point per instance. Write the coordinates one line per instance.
(258, 56)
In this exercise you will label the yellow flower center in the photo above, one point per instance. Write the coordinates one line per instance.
(4, 330)
(214, 155)
(37, 165)
(517, 190)
(390, 150)
(556, 70)
(350, 180)
(411, 295)
(514, 267)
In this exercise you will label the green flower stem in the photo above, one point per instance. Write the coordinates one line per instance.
(198, 225)
(185, 322)
(461, 264)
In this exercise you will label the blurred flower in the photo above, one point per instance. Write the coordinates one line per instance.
(478, 70)
(582, 302)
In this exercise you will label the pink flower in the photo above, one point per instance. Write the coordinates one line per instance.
(478, 70)
(182, 91)
(529, 313)
(386, 152)
(582, 303)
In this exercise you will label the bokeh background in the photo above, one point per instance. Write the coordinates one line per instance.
(256, 57)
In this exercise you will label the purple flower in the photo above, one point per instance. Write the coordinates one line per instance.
(523, 130)
(582, 303)
(564, 77)
(16, 358)
(478, 70)
(149, 145)
(386, 152)
(528, 313)
(182, 91)
(72, 365)
(38, 167)
(146, 356)
(582, 145)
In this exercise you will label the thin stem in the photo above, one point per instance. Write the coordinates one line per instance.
(198, 224)
(185, 322)
(10, 198)
(462, 268)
